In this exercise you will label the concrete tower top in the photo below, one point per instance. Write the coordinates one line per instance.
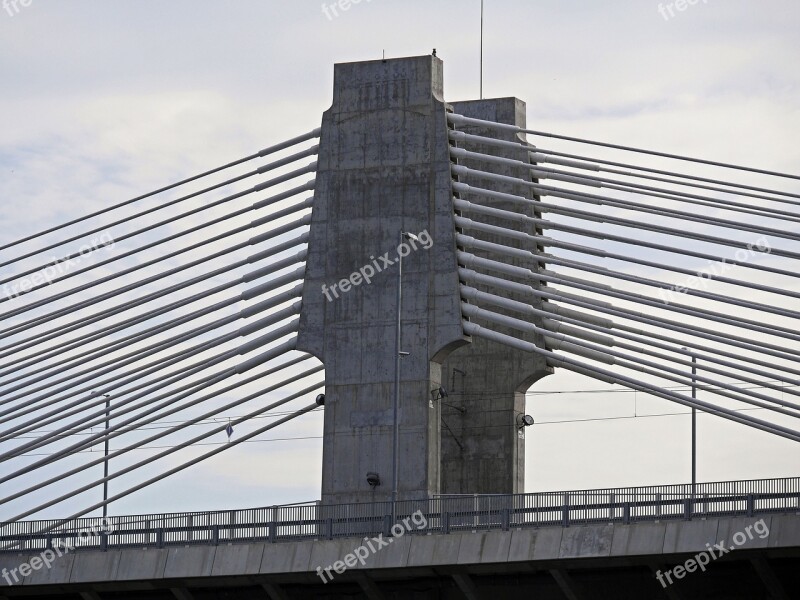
(389, 83)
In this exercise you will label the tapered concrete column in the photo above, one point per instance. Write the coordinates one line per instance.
(383, 168)
(482, 451)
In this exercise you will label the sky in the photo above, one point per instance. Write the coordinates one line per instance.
(103, 101)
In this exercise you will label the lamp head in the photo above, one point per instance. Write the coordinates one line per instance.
(439, 393)
(524, 421)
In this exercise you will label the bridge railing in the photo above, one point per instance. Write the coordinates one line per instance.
(440, 514)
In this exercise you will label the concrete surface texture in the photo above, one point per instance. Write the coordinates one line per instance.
(383, 169)
(543, 548)
(482, 449)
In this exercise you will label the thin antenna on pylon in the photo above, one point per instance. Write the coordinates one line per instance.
(481, 49)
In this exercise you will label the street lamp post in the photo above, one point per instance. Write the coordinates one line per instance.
(398, 354)
(694, 428)
(481, 50)
(105, 462)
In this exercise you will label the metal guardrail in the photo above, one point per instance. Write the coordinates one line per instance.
(442, 514)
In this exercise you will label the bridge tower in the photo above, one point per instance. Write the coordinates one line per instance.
(385, 168)
(483, 442)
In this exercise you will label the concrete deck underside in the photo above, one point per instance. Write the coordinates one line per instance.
(595, 561)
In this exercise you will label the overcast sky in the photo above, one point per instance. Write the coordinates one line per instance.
(102, 101)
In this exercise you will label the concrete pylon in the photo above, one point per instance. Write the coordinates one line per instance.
(383, 168)
(483, 447)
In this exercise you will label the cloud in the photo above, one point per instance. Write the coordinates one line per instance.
(104, 101)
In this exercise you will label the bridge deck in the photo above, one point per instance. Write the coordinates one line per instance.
(549, 562)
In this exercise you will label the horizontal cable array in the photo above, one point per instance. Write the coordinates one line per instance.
(633, 274)
(183, 310)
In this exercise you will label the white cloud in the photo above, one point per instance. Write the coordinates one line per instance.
(104, 101)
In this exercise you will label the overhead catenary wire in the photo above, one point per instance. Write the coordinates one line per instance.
(149, 368)
(152, 349)
(609, 376)
(158, 365)
(140, 443)
(169, 472)
(164, 423)
(125, 407)
(482, 427)
(161, 424)
(118, 430)
(148, 418)
(575, 345)
(157, 385)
